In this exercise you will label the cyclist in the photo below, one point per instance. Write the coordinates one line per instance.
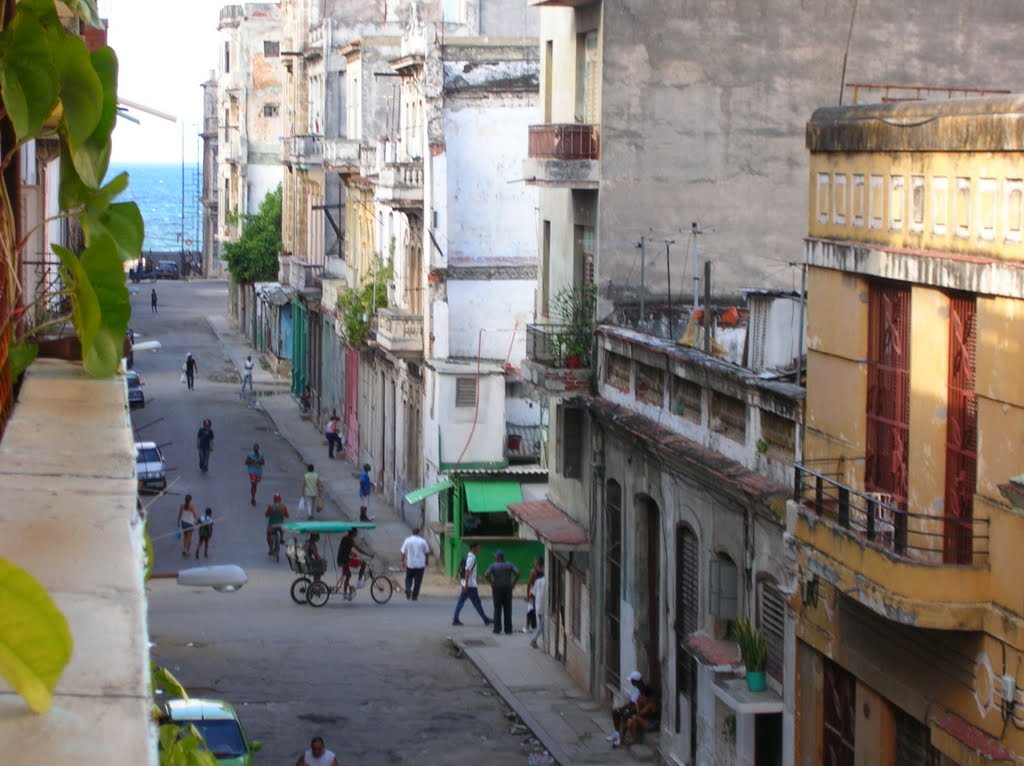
(347, 559)
(276, 513)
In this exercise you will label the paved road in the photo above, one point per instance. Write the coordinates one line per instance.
(378, 682)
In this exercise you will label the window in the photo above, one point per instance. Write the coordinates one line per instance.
(729, 416)
(613, 581)
(465, 392)
(616, 371)
(270, 110)
(839, 700)
(686, 399)
(771, 617)
(271, 48)
(650, 384)
(686, 622)
(913, 742)
(570, 451)
(227, 56)
(724, 587)
(576, 605)
(961, 432)
(888, 399)
(778, 432)
(545, 270)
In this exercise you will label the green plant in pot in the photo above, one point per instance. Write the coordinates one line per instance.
(754, 652)
(575, 307)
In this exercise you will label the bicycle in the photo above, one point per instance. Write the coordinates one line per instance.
(381, 588)
(277, 537)
(307, 590)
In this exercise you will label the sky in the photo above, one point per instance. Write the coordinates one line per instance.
(165, 51)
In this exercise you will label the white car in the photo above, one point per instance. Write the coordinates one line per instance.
(150, 469)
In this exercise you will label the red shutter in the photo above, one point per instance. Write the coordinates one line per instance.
(888, 406)
(961, 433)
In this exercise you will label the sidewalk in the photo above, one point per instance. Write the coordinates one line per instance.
(570, 725)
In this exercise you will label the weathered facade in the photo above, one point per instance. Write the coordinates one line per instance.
(909, 616)
(658, 115)
(212, 264)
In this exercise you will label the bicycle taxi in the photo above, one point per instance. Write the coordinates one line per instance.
(307, 590)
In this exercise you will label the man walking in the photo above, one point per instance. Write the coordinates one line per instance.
(333, 438)
(311, 489)
(415, 553)
(365, 486)
(503, 576)
(469, 588)
(247, 376)
(204, 443)
(254, 462)
(540, 587)
(317, 755)
(152, 301)
(191, 368)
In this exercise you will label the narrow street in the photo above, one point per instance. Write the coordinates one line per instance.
(378, 682)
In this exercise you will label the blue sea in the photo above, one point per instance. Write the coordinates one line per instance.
(168, 196)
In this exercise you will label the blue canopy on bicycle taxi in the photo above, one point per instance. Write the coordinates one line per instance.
(325, 527)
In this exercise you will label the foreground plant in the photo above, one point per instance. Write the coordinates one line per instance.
(53, 88)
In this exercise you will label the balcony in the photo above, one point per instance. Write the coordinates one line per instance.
(548, 367)
(399, 332)
(306, 150)
(926, 570)
(563, 156)
(368, 161)
(341, 155)
(300, 274)
(400, 186)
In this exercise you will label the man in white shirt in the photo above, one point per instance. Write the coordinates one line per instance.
(247, 375)
(415, 553)
(469, 588)
(317, 755)
(540, 589)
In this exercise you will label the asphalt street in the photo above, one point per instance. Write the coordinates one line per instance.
(380, 683)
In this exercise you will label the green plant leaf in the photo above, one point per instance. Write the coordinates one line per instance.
(20, 357)
(82, 96)
(164, 679)
(72, 192)
(100, 306)
(35, 641)
(86, 10)
(123, 222)
(29, 76)
(93, 156)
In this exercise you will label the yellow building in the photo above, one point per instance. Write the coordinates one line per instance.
(909, 611)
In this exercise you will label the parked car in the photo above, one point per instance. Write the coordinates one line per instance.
(166, 270)
(150, 468)
(135, 396)
(218, 724)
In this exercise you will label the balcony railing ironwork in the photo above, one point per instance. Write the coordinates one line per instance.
(563, 142)
(881, 521)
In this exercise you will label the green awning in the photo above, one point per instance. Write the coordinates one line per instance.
(424, 492)
(492, 496)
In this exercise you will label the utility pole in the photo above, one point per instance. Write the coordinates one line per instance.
(694, 231)
(643, 284)
(707, 307)
(668, 276)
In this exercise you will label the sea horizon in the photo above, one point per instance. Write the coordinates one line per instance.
(169, 203)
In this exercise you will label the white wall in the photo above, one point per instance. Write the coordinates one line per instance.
(262, 180)
(501, 308)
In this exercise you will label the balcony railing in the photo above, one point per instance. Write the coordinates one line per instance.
(341, 154)
(400, 185)
(398, 332)
(307, 149)
(367, 161)
(563, 142)
(881, 521)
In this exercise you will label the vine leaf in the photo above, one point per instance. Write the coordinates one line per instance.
(28, 77)
(81, 94)
(35, 641)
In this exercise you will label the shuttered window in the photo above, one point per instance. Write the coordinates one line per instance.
(613, 582)
(465, 392)
(913, 742)
(571, 442)
(961, 433)
(723, 585)
(772, 618)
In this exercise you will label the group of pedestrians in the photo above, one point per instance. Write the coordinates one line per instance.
(502, 576)
(189, 521)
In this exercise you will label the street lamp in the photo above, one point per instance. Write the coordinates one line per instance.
(226, 578)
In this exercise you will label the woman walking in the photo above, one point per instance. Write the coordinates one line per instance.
(205, 533)
(187, 520)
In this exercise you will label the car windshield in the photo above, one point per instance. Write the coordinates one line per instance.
(223, 737)
(133, 378)
(150, 455)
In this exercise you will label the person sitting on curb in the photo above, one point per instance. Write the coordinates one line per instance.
(623, 713)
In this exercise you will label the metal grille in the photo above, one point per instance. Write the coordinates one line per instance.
(961, 432)
(778, 431)
(686, 399)
(888, 405)
(913, 742)
(839, 720)
(650, 384)
(773, 626)
(465, 392)
(616, 371)
(729, 416)
(613, 582)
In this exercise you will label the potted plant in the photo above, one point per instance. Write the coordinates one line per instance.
(575, 308)
(754, 652)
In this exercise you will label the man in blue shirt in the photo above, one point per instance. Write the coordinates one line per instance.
(365, 487)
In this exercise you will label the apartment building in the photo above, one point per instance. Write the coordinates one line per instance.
(908, 615)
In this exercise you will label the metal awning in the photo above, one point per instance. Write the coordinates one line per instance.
(552, 525)
(429, 491)
(492, 496)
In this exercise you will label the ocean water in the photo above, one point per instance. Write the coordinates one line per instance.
(169, 201)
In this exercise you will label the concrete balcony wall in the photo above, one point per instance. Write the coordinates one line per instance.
(69, 517)
(341, 154)
(400, 333)
(400, 185)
